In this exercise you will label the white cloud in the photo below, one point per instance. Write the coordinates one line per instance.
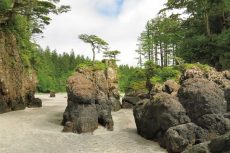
(120, 32)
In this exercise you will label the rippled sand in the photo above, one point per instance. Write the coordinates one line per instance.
(38, 130)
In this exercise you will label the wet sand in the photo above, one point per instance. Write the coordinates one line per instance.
(38, 130)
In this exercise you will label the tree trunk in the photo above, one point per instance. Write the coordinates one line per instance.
(162, 56)
(206, 18)
(165, 55)
(93, 49)
(156, 54)
(173, 54)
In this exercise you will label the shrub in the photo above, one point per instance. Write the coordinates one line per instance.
(5, 4)
(164, 74)
(203, 67)
(89, 66)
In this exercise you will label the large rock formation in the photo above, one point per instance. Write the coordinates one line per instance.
(159, 114)
(196, 113)
(92, 94)
(217, 145)
(205, 104)
(17, 85)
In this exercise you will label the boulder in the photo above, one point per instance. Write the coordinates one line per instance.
(130, 101)
(36, 102)
(227, 74)
(115, 103)
(132, 98)
(199, 148)
(200, 97)
(217, 145)
(159, 114)
(170, 86)
(192, 73)
(178, 138)
(205, 104)
(216, 124)
(220, 144)
(52, 94)
(220, 78)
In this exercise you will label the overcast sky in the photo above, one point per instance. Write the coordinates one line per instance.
(119, 22)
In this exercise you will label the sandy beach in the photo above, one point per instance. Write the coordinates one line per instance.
(38, 130)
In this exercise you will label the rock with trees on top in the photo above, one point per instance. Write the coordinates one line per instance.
(92, 95)
(196, 113)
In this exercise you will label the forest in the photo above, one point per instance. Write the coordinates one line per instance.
(183, 32)
(173, 96)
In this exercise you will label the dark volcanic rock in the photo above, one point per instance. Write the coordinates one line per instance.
(170, 87)
(178, 138)
(200, 97)
(130, 101)
(36, 102)
(217, 145)
(85, 118)
(52, 94)
(104, 115)
(227, 97)
(159, 114)
(92, 95)
(215, 123)
(132, 98)
(203, 100)
(199, 148)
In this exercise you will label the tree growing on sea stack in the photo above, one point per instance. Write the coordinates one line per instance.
(96, 43)
(111, 54)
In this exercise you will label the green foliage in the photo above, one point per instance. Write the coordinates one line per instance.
(139, 85)
(96, 43)
(202, 67)
(111, 54)
(131, 78)
(5, 5)
(88, 65)
(164, 74)
(54, 69)
(150, 69)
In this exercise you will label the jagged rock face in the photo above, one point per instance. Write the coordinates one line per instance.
(89, 101)
(178, 138)
(217, 145)
(170, 87)
(204, 100)
(114, 96)
(159, 114)
(227, 97)
(132, 98)
(17, 86)
(205, 104)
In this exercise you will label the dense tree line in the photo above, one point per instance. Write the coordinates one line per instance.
(53, 69)
(200, 33)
